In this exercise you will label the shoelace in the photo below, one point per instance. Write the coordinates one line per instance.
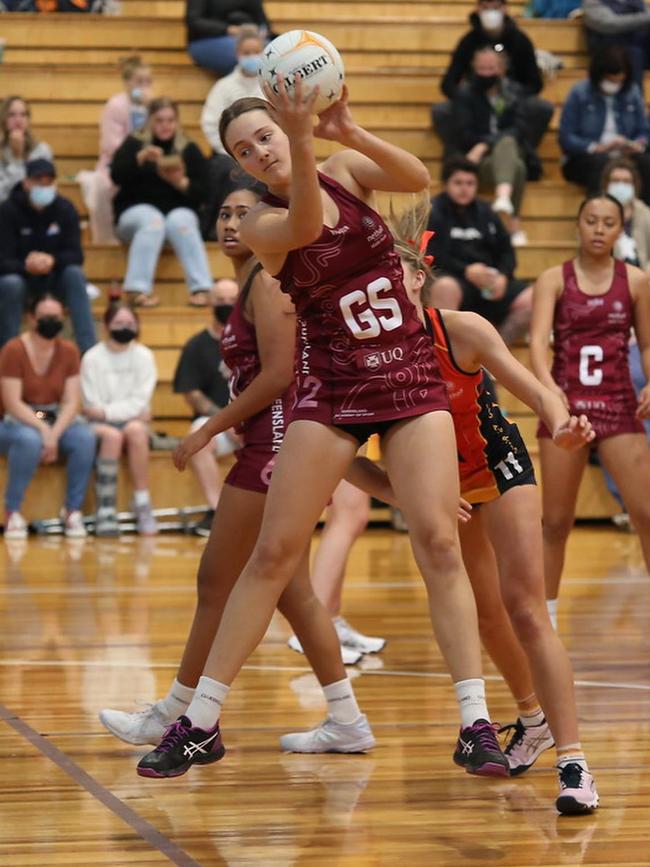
(173, 734)
(517, 737)
(486, 735)
(571, 776)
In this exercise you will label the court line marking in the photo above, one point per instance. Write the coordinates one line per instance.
(151, 835)
(296, 669)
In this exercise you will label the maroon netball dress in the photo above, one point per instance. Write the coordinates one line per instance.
(591, 334)
(364, 359)
(263, 433)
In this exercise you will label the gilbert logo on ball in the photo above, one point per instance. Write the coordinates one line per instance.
(310, 55)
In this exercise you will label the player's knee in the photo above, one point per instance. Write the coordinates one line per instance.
(528, 620)
(440, 549)
(556, 528)
(276, 558)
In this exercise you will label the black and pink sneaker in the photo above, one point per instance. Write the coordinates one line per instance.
(181, 747)
(478, 750)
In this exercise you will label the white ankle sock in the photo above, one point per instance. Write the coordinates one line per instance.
(536, 718)
(205, 708)
(341, 704)
(471, 699)
(176, 701)
(578, 758)
(551, 607)
(141, 498)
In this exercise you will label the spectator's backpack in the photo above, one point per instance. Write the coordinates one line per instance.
(554, 8)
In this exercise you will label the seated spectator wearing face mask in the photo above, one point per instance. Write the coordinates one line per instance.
(621, 180)
(39, 390)
(492, 27)
(200, 379)
(241, 82)
(491, 132)
(118, 377)
(123, 114)
(214, 26)
(604, 117)
(620, 22)
(40, 252)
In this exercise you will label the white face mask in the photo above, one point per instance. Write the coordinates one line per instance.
(610, 88)
(623, 191)
(491, 19)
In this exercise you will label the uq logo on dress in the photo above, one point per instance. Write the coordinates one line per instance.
(375, 360)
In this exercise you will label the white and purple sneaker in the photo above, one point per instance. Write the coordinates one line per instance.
(578, 793)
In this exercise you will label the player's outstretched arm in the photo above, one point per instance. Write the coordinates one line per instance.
(489, 351)
(275, 329)
(370, 162)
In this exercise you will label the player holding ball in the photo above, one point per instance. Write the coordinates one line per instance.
(365, 365)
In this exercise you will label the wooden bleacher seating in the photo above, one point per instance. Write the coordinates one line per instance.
(395, 52)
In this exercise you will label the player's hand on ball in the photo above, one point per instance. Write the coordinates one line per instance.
(336, 123)
(192, 444)
(574, 433)
(293, 110)
(643, 409)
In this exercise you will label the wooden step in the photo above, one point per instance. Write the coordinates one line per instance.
(277, 8)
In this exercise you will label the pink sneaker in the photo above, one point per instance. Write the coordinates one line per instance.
(577, 790)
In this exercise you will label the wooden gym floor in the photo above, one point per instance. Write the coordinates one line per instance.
(83, 626)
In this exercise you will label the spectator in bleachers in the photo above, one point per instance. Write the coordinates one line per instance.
(118, 377)
(620, 22)
(491, 133)
(40, 252)
(39, 390)
(554, 8)
(123, 114)
(162, 177)
(472, 245)
(604, 117)
(213, 27)
(242, 81)
(492, 27)
(621, 180)
(18, 145)
(200, 379)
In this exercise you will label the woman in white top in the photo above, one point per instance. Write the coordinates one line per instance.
(118, 377)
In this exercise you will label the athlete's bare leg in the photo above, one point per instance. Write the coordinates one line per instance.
(494, 624)
(421, 461)
(301, 486)
(513, 525)
(232, 538)
(313, 626)
(627, 459)
(347, 518)
(562, 473)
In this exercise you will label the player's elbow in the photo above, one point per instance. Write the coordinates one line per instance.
(418, 179)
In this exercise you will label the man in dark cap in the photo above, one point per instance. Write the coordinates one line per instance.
(40, 252)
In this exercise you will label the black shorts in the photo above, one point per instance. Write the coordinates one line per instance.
(494, 311)
(364, 430)
(508, 465)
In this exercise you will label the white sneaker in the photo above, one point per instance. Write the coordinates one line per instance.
(503, 205)
(349, 656)
(352, 638)
(138, 727)
(331, 737)
(16, 526)
(578, 793)
(526, 744)
(74, 527)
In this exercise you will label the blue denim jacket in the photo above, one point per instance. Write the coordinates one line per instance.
(583, 117)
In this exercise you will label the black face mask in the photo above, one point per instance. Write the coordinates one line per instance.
(48, 326)
(222, 312)
(123, 335)
(486, 82)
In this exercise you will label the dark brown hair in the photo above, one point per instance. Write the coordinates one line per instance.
(237, 109)
(5, 108)
(620, 163)
(130, 64)
(597, 197)
(113, 309)
(37, 299)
